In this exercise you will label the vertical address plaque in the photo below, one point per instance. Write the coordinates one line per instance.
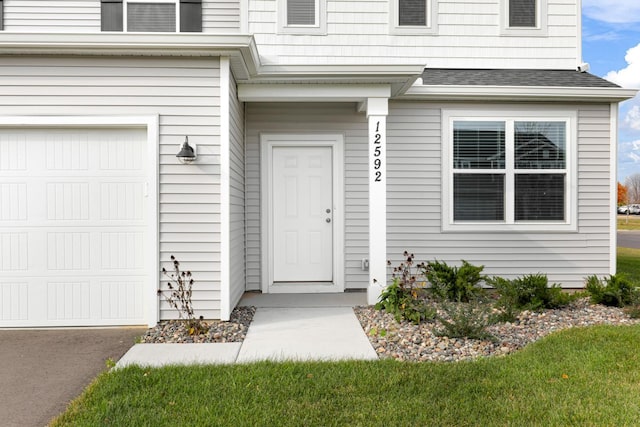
(378, 159)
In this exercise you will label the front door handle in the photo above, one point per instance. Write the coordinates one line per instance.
(328, 220)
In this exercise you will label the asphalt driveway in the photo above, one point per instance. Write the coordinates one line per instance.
(41, 371)
(629, 239)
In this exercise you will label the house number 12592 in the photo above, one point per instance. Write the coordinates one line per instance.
(377, 152)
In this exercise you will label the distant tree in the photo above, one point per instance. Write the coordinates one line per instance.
(633, 188)
(622, 194)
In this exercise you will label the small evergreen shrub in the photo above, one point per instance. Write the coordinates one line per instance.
(459, 284)
(507, 302)
(614, 291)
(529, 292)
(405, 297)
(465, 320)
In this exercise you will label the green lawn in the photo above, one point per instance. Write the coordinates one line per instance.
(585, 376)
(629, 263)
(631, 222)
(582, 376)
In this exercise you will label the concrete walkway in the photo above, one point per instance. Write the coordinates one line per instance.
(287, 327)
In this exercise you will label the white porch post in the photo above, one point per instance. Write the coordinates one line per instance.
(377, 110)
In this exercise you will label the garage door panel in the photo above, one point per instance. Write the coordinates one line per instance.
(13, 201)
(14, 252)
(69, 300)
(14, 301)
(122, 201)
(67, 250)
(14, 152)
(122, 250)
(72, 227)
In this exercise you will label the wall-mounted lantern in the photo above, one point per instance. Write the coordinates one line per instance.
(187, 153)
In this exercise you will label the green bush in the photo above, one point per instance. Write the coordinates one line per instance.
(405, 297)
(529, 292)
(459, 284)
(404, 303)
(465, 320)
(615, 291)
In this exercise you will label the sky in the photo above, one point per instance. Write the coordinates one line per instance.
(611, 46)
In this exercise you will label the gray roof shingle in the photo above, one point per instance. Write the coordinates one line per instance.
(511, 77)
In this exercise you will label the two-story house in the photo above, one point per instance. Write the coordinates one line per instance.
(328, 135)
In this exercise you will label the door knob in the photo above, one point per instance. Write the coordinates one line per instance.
(328, 220)
(328, 210)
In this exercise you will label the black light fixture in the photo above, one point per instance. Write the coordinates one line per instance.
(187, 153)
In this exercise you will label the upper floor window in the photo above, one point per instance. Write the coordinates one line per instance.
(524, 17)
(302, 16)
(522, 13)
(509, 172)
(413, 16)
(151, 15)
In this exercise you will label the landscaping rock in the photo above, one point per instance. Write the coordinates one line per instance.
(175, 331)
(410, 342)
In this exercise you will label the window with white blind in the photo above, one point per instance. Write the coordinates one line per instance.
(151, 15)
(302, 16)
(524, 17)
(522, 13)
(413, 16)
(508, 172)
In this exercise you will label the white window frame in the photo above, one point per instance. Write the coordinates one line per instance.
(125, 11)
(509, 117)
(430, 28)
(319, 28)
(540, 30)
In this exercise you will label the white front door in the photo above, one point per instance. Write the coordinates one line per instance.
(302, 220)
(302, 213)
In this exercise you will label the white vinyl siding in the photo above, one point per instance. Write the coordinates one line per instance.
(414, 135)
(184, 93)
(83, 16)
(221, 16)
(52, 16)
(236, 196)
(312, 118)
(468, 36)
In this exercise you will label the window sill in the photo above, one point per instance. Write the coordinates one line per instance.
(524, 32)
(412, 31)
(303, 30)
(495, 227)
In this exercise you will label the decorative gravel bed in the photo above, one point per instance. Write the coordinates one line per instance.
(409, 342)
(175, 331)
(406, 341)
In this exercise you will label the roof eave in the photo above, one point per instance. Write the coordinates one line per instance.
(241, 48)
(518, 93)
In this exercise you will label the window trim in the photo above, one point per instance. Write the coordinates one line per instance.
(125, 12)
(319, 28)
(432, 23)
(510, 117)
(540, 30)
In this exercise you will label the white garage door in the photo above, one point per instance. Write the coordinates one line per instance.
(72, 227)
